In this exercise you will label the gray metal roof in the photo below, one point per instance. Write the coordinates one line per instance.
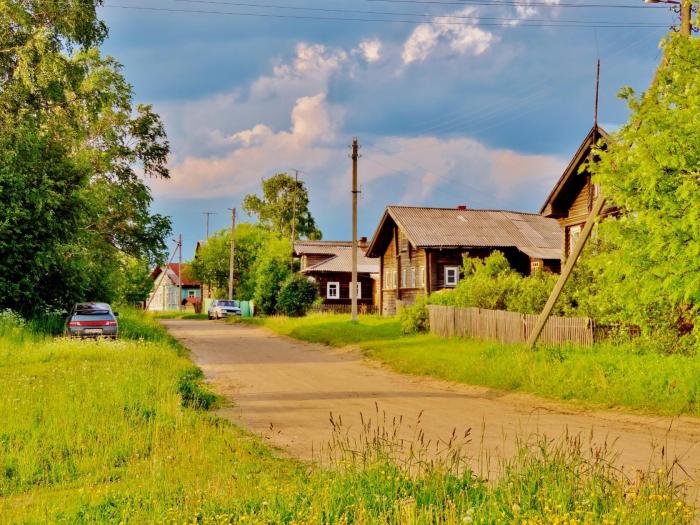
(341, 261)
(319, 247)
(470, 228)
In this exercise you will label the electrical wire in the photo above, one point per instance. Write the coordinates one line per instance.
(429, 16)
(518, 3)
(523, 23)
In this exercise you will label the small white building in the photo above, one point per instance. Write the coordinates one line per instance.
(165, 294)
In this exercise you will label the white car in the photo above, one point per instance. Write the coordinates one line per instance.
(221, 308)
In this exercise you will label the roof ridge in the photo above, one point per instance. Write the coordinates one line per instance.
(463, 210)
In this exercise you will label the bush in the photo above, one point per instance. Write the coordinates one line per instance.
(296, 296)
(414, 318)
(272, 271)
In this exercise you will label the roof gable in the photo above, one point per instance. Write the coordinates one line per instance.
(568, 179)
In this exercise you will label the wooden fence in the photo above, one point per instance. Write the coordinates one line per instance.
(362, 309)
(507, 327)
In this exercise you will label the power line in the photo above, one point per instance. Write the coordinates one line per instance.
(429, 16)
(523, 23)
(517, 3)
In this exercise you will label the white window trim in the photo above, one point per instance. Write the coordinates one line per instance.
(359, 290)
(448, 281)
(572, 230)
(329, 285)
(404, 276)
(394, 279)
(422, 275)
(413, 276)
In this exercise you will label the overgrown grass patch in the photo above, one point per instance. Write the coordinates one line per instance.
(604, 375)
(173, 314)
(116, 431)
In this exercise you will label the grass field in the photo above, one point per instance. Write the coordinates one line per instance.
(602, 376)
(172, 314)
(112, 432)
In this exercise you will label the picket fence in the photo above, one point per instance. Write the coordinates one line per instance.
(507, 327)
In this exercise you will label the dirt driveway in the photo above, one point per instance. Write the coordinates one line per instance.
(285, 390)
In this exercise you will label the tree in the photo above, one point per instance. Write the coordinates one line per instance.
(272, 270)
(135, 284)
(282, 194)
(212, 261)
(649, 260)
(73, 154)
(296, 296)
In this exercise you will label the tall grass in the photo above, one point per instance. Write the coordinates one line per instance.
(105, 432)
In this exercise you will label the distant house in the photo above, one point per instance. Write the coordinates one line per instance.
(572, 197)
(165, 296)
(206, 288)
(329, 263)
(420, 250)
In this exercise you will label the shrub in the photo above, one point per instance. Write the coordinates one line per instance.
(296, 296)
(414, 318)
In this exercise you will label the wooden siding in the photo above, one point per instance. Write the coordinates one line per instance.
(507, 327)
(344, 279)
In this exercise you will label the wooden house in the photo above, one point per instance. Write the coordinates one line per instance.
(572, 197)
(329, 264)
(420, 250)
(165, 292)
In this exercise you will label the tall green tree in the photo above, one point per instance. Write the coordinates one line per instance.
(282, 195)
(74, 151)
(272, 270)
(649, 259)
(211, 265)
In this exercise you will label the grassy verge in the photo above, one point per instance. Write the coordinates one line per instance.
(603, 375)
(110, 432)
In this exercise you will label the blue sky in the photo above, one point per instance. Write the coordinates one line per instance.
(483, 106)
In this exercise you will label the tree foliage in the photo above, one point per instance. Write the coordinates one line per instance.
(272, 269)
(211, 264)
(648, 260)
(282, 194)
(296, 296)
(73, 153)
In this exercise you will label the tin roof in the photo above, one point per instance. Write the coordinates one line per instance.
(341, 261)
(470, 228)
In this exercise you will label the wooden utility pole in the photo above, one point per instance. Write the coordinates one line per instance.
(294, 208)
(208, 214)
(353, 285)
(179, 273)
(231, 254)
(686, 18)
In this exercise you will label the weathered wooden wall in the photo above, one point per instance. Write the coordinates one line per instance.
(507, 327)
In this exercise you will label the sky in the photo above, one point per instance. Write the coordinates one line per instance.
(454, 102)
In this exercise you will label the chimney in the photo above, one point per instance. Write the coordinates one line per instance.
(461, 207)
(362, 242)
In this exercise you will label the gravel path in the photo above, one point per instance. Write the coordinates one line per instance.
(285, 390)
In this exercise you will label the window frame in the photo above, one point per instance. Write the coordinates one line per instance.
(575, 229)
(404, 277)
(359, 289)
(448, 282)
(422, 276)
(395, 279)
(329, 284)
(412, 273)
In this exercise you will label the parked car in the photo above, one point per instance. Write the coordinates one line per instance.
(92, 320)
(220, 308)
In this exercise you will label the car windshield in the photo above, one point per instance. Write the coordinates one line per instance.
(226, 303)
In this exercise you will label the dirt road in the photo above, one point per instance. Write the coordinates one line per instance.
(285, 390)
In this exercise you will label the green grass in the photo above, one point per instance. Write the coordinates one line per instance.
(604, 375)
(111, 432)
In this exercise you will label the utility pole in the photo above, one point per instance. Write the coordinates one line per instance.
(208, 214)
(686, 18)
(294, 207)
(353, 286)
(233, 249)
(179, 273)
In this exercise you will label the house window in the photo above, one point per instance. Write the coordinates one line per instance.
(387, 279)
(403, 278)
(535, 266)
(451, 275)
(394, 279)
(422, 275)
(574, 234)
(191, 293)
(359, 290)
(413, 277)
(333, 290)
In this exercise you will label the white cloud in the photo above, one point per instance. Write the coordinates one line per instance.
(461, 34)
(370, 50)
